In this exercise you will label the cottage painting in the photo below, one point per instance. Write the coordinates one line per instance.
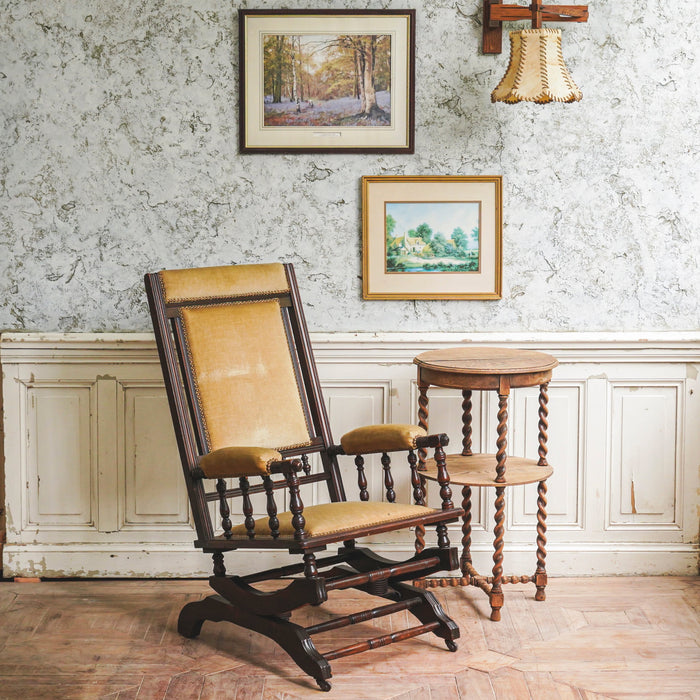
(432, 236)
(327, 80)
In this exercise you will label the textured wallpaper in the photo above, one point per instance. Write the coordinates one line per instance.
(118, 156)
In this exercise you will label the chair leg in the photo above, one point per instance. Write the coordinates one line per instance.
(291, 637)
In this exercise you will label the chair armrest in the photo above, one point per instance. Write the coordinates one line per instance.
(382, 438)
(239, 461)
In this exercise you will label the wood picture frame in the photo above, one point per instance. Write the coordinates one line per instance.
(326, 81)
(431, 237)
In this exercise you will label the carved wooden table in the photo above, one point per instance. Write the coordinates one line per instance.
(501, 370)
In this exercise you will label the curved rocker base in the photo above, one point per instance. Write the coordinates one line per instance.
(243, 605)
(291, 637)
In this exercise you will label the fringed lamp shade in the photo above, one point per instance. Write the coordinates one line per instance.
(536, 72)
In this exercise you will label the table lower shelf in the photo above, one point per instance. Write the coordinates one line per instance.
(480, 470)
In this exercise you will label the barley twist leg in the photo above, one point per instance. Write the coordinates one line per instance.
(496, 594)
(422, 454)
(466, 557)
(541, 572)
(466, 422)
(543, 425)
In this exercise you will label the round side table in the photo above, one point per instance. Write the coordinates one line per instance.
(500, 370)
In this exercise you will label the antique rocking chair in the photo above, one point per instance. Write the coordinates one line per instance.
(246, 402)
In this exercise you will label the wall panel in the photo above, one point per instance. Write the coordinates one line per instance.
(59, 455)
(645, 473)
(154, 490)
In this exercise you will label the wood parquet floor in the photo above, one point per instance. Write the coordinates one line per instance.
(592, 639)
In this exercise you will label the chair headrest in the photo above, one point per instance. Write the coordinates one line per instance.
(226, 281)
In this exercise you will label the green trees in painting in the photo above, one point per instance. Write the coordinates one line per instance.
(312, 68)
(424, 250)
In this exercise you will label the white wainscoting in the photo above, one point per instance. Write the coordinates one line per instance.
(94, 488)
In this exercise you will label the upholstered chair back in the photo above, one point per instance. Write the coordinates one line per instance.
(235, 338)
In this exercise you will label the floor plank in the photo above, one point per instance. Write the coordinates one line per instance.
(592, 639)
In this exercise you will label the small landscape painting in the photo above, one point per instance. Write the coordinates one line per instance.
(432, 236)
(324, 80)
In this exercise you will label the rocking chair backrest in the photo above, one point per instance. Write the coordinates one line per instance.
(238, 368)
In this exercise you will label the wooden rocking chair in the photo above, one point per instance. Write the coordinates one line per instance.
(246, 402)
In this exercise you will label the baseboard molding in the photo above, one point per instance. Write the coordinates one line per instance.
(179, 561)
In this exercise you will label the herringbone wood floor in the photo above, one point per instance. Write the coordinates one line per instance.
(592, 638)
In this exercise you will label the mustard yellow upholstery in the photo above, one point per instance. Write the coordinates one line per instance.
(331, 518)
(381, 438)
(224, 281)
(247, 389)
(238, 461)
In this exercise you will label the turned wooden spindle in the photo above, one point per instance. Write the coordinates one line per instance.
(502, 440)
(224, 510)
(540, 571)
(247, 507)
(310, 567)
(418, 498)
(296, 506)
(496, 593)
(443, 478)
(442, 539)
(361, 477)
(388, 479)
(542, 425)
(422, 422)
(466, 557)
(306, 467)
(271, 507)
(466, 422)
(219, 568)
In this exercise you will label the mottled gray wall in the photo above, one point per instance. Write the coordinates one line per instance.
(119, 132)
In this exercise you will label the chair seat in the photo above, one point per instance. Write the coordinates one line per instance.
(332, 518)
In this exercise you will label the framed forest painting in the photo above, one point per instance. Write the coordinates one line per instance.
(326, 81)
(432, 237)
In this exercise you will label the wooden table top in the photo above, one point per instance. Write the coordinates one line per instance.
(480, 360)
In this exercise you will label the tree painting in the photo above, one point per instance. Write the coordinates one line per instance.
(432, 236)
(327, 80)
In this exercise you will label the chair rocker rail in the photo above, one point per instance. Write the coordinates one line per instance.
(382, 641)
(362, 616)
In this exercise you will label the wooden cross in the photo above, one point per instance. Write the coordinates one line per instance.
(495, 13)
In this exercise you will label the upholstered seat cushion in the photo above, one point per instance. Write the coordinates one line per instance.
(331, 518)
(238, 461)
(381, 438)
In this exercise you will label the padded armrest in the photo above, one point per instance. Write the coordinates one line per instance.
(381, 438)
(238, 461)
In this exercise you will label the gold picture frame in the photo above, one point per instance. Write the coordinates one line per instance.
(326, 81)
(432, 237)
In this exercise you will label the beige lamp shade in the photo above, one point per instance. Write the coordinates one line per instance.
(536, 72)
